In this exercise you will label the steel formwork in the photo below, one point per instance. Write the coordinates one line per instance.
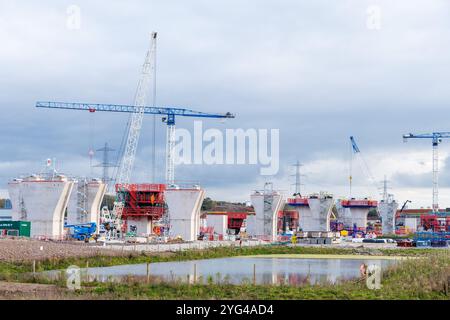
(359, 203)
(142, 200)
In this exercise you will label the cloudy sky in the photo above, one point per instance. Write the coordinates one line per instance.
(319, 71)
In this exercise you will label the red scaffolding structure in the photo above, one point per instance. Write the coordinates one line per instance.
(298, 201)
(436, 223)
(142, 200)
(288, 219)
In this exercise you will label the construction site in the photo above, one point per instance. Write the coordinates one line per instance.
(59, 207)
(52, 214)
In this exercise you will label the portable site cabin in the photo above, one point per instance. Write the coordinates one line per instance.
(15, 228)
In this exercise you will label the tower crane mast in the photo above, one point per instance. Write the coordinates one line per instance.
(436, 138)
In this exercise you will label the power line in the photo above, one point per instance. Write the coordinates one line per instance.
(298, 176)
(106, 164)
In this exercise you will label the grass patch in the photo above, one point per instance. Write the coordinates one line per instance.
(425, 278)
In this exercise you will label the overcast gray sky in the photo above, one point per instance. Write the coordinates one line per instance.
(313, 69)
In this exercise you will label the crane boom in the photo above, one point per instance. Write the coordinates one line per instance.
(102, 107)
(140, 101)
(134, 129)
(436, 138)
(355, 150)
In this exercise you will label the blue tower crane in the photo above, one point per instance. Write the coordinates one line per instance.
(436, 138)
(169, 114)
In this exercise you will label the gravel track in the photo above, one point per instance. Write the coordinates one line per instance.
(16, 250)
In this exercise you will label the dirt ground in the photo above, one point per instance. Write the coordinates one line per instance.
(18, 291)
(15, 250)
(12, 287)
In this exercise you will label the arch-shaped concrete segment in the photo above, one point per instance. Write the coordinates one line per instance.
(184, 212)
(316, 215)
(45, 202)
(352, 215)
(266, 206)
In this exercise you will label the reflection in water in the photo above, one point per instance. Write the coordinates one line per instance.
(239, 270)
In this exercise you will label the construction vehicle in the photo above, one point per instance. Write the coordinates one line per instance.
(404, 205)
(82, 231)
